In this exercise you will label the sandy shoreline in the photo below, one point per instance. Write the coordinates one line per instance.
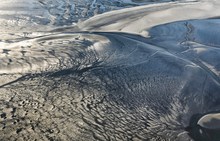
(148, 72)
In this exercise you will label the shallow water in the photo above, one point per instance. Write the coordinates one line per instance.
(142, 70)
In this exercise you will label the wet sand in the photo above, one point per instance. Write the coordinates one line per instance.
(145, 71)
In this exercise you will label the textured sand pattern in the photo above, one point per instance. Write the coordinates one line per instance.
(149, 72)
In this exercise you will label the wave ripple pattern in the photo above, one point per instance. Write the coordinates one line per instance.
(117, 70)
